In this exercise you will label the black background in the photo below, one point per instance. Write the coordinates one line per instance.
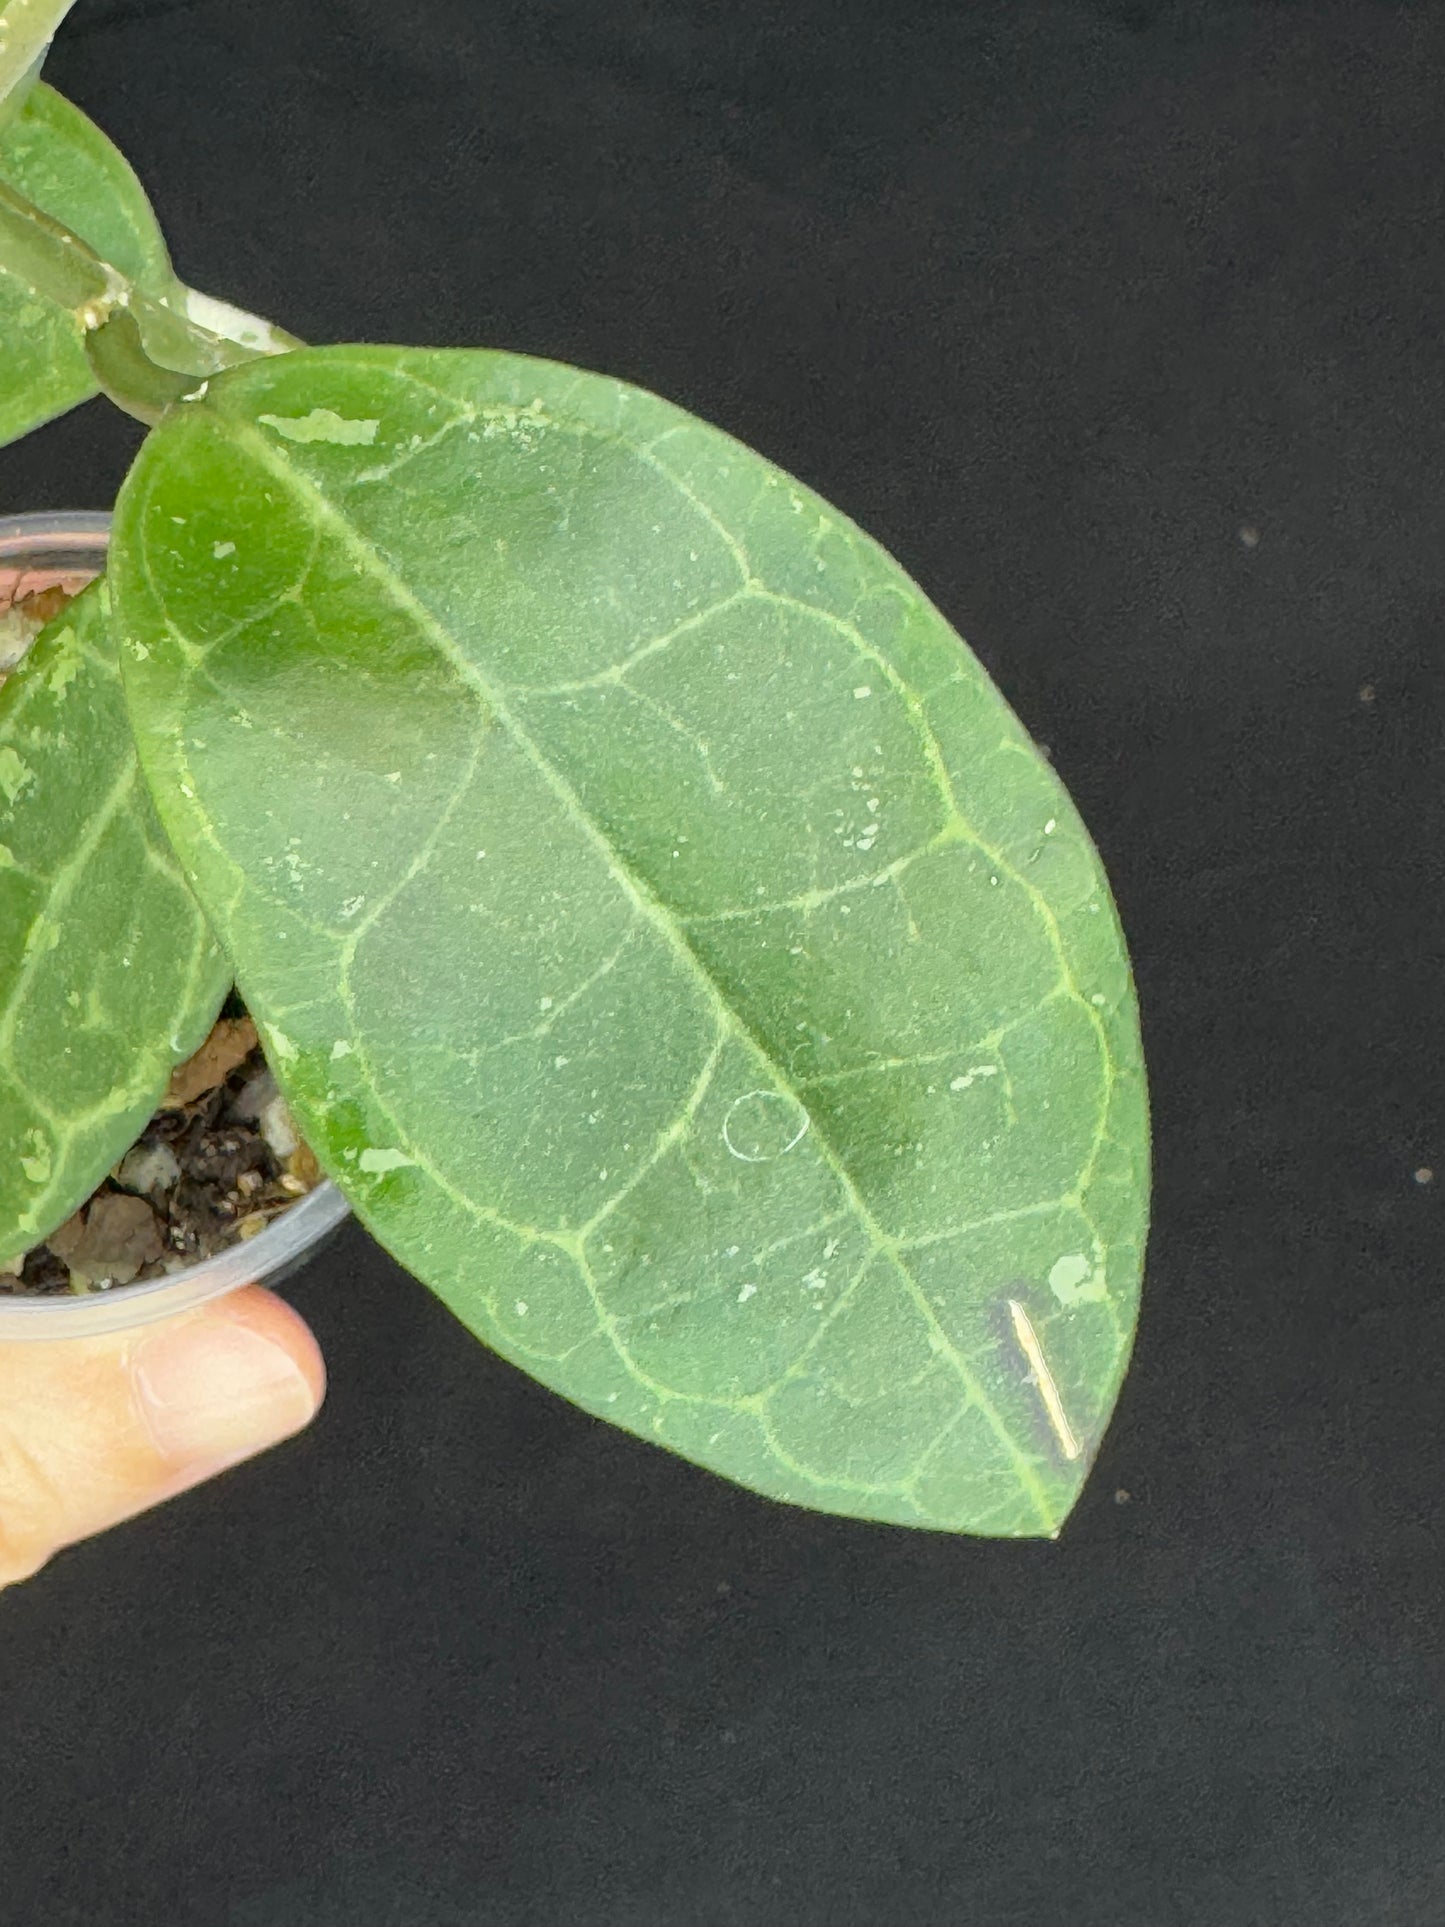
(1057, 300)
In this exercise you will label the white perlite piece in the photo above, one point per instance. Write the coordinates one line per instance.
(148, 1169)
(17, 633)
(278, 1127)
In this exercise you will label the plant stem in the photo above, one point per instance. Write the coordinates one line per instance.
(145, 352)
(26, 30)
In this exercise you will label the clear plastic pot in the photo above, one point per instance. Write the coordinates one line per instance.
(40, 552)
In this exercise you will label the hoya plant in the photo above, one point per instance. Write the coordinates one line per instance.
(662, 930)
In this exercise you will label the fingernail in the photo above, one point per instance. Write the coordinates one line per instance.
(214, 1391)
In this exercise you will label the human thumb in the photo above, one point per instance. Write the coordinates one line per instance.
(94, 1430)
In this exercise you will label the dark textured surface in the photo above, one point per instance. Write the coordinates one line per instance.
(1056, 300)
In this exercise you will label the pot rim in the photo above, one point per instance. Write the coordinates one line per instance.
(63, 543)
(86, 529)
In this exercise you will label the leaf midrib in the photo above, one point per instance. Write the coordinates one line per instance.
(371, 562)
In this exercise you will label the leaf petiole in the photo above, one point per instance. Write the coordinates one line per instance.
(127, 374)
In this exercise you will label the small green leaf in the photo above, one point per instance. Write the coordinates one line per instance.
(661, 926)
(62, 162)
(108, 974)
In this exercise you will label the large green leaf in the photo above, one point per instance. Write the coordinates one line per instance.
(62, 162)
(665, 932)
(108, 974)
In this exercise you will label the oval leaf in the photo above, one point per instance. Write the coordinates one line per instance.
(664, 931)
(108, 974)
(62, 162)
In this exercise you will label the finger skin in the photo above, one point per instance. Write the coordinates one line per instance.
(93, 1431)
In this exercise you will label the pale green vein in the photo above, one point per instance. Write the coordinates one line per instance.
(666, 1139)
(921, 1240)
(565, 1004)
(808, 902)
(705, 510)
(616, 672)
(419, 445)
